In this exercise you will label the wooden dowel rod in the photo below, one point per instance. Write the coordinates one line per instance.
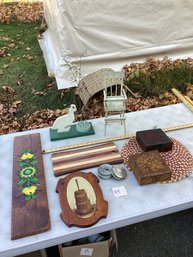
(182, 98)
(189, 100)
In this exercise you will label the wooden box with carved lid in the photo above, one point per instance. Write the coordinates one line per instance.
(149, 167)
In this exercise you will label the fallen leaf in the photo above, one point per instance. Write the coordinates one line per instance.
(1, 107)
(16, 102)
(5, 66)
(40, 93)
(8, 89)
(11, 45)
(2, 52)
(21, 11)
(20, 82)
(12, 110)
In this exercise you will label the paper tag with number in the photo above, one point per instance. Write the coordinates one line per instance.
(119, 191)
(86, 251)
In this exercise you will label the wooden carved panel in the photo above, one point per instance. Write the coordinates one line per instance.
(81, 199)
(30, 213)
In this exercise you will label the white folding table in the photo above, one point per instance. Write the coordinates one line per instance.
(141, 203)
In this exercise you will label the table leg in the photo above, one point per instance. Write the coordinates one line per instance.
(43, 253)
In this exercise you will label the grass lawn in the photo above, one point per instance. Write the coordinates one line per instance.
(159, 81)
(23, 68)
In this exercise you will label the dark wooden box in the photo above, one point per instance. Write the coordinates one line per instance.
(149, 167)
(154, 139)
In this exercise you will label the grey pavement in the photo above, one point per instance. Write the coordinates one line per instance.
(167, 236)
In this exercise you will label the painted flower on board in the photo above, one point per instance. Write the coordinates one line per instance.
(28, 182)
(26, 156)
(27, 172)
(29, 190)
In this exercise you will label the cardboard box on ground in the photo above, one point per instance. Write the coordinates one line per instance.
(97, 248)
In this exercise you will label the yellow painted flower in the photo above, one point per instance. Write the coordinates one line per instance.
(27, 172)
(27, 156)
(29, 190)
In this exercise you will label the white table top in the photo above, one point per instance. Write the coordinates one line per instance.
(141, 203)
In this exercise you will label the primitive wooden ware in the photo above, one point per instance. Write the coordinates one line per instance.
(30, 213)
(66, 162)
(149, 167)
(154, 139)
(81, 199)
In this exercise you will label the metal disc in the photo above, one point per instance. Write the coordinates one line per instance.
(104, 177)
(119, 172)
(105, 171)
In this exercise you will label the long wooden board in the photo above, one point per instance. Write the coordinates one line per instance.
(66, 162)
(30, 212)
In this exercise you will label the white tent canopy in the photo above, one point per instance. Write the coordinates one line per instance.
(112, 33)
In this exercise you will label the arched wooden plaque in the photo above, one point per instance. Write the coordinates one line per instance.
(81, 199)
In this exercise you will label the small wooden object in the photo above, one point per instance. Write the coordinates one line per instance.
(149, 167)
(64, 122)
(63, 127)
(66, 162)
(154, 139)
(81, 199)
(30, 213)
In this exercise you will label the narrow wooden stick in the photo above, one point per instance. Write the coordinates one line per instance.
(189, 100)
(110, 139)
(182, 98)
